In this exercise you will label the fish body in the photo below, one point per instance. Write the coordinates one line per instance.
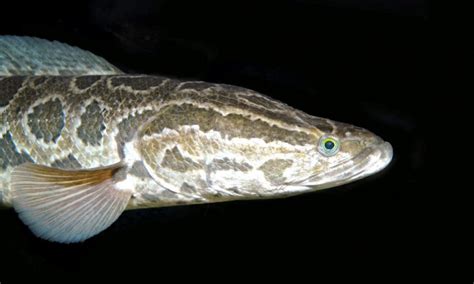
(76, 150)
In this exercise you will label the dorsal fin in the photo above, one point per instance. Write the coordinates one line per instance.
(22, 55)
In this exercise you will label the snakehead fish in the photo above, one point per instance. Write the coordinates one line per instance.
(80, 142)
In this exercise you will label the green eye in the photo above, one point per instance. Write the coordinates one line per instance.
(328, 146)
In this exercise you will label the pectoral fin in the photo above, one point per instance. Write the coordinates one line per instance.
(67, 206)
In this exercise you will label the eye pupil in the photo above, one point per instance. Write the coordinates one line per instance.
(329, 145)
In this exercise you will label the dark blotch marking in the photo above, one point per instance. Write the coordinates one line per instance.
(273, 170)
(232, 125)
(233, 189)
(10, 86)
(84, 82)
(141, 83)
(175, 161)
(228, 164)
(39, 80)
(9, 154)
(47, 121)
(138, 169)
(92, 124)
(70, 162)
(187, 188)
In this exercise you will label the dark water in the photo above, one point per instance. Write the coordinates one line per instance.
(362, 62)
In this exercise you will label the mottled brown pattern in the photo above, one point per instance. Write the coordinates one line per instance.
(231, 125)
(129, 125)
(231, 97)
(228, 164)
(101, 110)
(9, 154)
(24, 99)
(84, 82)
(9, 87)
(138, 83)
(92, 124)
(125, 103)
(273, 170)
(47, 120)
(38, 81)
(175, 161)
(60, 85)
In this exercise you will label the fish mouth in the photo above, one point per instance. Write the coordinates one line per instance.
(371, 160)
(379, 156)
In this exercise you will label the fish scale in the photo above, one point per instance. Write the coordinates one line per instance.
(81, 142)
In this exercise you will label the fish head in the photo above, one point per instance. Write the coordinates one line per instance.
(224, 142)
(345, 154)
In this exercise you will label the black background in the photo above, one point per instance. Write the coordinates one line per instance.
(362, 62)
